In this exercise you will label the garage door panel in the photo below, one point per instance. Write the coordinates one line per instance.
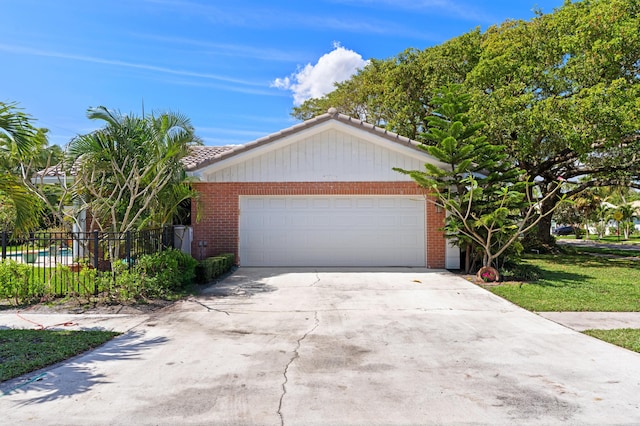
(343, 203)
(321, 203)
(367, 203)
(332, 231)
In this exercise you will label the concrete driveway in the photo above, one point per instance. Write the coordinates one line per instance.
(304, 347)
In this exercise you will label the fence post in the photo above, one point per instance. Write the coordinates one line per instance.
(4, 245)
(96, 258)
(127, 248)
(165, 237)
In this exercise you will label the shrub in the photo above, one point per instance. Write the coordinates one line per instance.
(168, 271)
(17, 282)
(212, 267)
(123, 284)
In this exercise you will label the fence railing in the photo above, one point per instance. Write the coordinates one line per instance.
(66, 263)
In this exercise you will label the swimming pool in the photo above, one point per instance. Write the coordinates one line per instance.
(64, 252)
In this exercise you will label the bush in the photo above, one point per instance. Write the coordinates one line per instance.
(212, 267)
(18, 284)
(123, 284)
(166, 272)
(156, 275)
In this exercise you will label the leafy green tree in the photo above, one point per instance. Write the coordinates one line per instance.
(561, 92)
(581, 210)
(486, 198)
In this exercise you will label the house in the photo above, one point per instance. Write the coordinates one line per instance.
(320, 193)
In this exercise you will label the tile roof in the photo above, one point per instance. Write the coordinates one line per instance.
(198, 155)
(332, 114)
(202, 156)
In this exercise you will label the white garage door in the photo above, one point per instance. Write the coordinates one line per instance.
(332, 231)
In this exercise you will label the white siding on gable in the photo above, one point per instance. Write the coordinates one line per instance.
(329, 155)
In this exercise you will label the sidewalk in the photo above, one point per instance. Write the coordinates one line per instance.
(581, 321)
(591, 243)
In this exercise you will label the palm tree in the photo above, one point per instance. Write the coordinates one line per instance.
(20, 141)
(130, 170)
(602, 216)
(627, 212)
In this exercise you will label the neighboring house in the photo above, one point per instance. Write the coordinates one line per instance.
(636, 218)
(320, 193)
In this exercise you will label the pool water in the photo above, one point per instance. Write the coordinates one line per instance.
(44, 252)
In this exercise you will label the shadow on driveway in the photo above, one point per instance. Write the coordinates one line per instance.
(73, 377)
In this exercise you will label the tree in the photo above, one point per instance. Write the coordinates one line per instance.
(602, 217)
(487, 200)
(626, 214)
(20, 142)
(129, 173)
(561, 92)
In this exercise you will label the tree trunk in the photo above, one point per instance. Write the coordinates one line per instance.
(467, 259)
(544, 226)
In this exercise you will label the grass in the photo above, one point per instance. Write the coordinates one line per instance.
(628, 338)
(23, 351)
(578, 283)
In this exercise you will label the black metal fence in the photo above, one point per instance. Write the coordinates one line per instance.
(66, 263)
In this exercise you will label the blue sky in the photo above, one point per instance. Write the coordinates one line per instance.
(235, 68)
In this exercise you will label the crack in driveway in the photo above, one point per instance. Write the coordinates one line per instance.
(295, 356)
(209, 308)
(317, 279)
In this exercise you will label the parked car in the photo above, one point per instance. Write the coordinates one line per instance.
(564, 230)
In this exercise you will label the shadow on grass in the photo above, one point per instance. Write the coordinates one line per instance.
(591, 266)
(555, 278)
(77, 375)
(559, 279)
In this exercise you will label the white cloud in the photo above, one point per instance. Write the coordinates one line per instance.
(314, 81)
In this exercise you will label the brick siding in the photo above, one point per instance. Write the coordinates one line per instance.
(219, 211)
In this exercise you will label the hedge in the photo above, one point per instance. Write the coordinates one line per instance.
(212, 267)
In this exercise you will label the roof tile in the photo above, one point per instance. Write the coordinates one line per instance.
(202, 156)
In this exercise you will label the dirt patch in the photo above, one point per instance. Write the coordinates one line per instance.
(74, 306)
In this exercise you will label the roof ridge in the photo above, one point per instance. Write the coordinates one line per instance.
(331, 114)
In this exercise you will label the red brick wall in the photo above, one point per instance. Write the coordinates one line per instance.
(219, 207)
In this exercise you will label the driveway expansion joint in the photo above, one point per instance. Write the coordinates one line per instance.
(295, 356)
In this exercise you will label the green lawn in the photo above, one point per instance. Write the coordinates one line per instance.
(628, 338)
(23, 351)
(578, 283)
